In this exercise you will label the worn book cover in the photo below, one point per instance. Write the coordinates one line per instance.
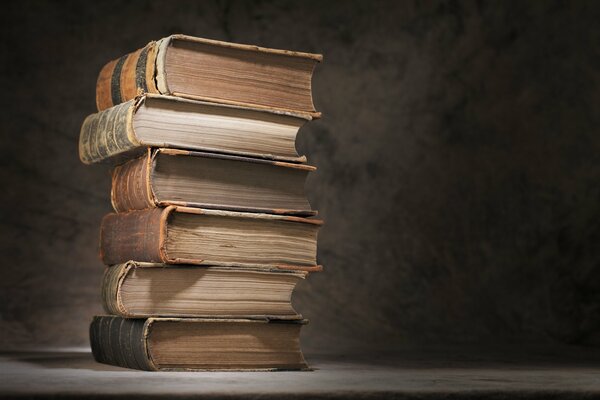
(189, 344)
(211, 70)
(126, 130)
(185, 235)
(164, 177)
(140, 290)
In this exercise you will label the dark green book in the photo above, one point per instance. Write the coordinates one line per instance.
(197, 344)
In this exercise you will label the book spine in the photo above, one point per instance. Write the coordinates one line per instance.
(127, 77)
(121, 342)
(131, 188)
(135, 235)
(111, 284)
(107, 133)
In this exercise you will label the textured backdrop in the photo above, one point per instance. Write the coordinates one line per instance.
(458, 156)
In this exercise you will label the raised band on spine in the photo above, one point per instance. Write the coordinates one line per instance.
(140, 70)
(115, 82)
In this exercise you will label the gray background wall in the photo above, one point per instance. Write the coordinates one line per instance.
(458, 164)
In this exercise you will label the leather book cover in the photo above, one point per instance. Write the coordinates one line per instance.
(116, 275)
(132, 187)
(141, 235)
(127, 77)
(136, 235)
(109, 135)
(143, 71)
(121, 342)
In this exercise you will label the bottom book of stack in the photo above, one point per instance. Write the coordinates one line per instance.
(197, 343)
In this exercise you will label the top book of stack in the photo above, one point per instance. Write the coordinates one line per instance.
(212, 71)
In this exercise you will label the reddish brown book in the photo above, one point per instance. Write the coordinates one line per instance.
(211, 70)
(196, 179)
(184, 235)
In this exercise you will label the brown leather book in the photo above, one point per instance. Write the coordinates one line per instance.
(188, 344)
(126, 130)
(165, 177)
(185, 235)
(141, 290)
(211, 70)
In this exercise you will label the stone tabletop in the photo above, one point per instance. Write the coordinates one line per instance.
(62, 373)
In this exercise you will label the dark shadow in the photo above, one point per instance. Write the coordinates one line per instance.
(518, 356)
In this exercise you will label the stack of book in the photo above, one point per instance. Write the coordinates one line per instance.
(212, 230)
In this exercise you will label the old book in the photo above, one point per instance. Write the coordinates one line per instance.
(197, 344)
(211, 70)
(126, 130)
(184, 235)
(196, 179)
(141, 290)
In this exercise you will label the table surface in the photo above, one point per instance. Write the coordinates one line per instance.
(425, 373)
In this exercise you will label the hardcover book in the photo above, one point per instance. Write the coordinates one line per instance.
(196, 179)
(197, 344)
(141, 290)
(211, 70)
(128, 129)
(184, 235)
